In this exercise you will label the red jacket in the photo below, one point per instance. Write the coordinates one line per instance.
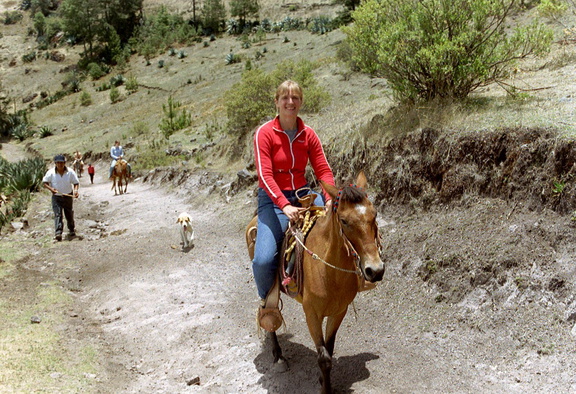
(281, 164)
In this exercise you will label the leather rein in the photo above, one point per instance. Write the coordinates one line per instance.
(349, 247)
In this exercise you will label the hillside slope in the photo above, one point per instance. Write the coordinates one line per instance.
(475, 208)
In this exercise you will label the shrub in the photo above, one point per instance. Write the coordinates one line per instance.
(12, 17)
(320, 25)
(232, 58)
(552, 9)
(132, 83)
(436, 48)
(10, 121)
(117, 80)
(251, 100)
(44, 132)
(85, 99)
(95, 71)
(174, 120)
(161, 30)
(114, 94)
(29, 57)
(21, 132)
(25, 175)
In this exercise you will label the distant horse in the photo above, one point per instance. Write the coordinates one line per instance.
(120, 176)
(78, 167)
(343, 249)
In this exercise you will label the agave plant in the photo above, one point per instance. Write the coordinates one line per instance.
(21, 132)
(117, 80)
(23, 175)
(232, 58)
(44, 132)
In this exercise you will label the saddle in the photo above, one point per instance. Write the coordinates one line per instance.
(290, 274)
(290, 269)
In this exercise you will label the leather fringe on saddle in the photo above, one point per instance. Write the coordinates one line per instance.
(291, 270)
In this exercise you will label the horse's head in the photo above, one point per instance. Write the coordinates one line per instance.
(356, 216)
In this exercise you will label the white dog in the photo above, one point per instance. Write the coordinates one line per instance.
(186, 231)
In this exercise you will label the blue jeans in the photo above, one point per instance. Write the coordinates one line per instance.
(272, 224)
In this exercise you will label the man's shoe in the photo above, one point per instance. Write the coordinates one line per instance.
(58, 237)
(72, 234)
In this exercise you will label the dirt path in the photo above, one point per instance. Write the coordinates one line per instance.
(164, 318)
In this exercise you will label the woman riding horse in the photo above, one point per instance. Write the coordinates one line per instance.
(282, 149)
(342, 255)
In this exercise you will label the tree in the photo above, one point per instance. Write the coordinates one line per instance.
(440, 48)
(124, 16)
(349, 4)
(244, 9)
(214, 14)
(82, 20)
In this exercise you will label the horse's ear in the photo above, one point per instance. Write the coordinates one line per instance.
(361, 180)
(332, 190)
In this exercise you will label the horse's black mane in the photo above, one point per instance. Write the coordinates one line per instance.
(352, 194)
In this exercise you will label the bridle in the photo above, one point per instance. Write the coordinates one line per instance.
(347, 243)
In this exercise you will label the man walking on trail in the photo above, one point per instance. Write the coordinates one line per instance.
(63, 183)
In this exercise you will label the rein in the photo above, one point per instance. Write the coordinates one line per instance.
(357, 271)
(347, 243)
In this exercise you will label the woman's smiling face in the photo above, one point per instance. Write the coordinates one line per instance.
(289, 103)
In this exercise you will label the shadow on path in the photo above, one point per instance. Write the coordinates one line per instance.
(303, 373)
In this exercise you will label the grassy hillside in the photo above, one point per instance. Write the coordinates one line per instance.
(199, 81)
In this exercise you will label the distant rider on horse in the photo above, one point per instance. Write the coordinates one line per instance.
(117, 153)
(78, 160)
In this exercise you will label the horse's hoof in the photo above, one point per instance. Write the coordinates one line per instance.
(280, 366)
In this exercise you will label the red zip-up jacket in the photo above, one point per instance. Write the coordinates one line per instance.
(281, 164)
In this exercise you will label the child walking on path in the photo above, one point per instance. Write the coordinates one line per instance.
(91, 172)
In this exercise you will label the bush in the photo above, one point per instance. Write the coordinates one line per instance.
(117, 80)
(435, 48)
(160, 31)
(114, 94)
(21, 132)
(251, 100)
(25, 175)
(552, 9)
(85, 99)
(29, 57)
(232, 58)
(12, 17)
(132, 84)
(173, 120)
(95, 71)
(45, 131)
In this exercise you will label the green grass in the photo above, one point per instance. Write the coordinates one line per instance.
(34, 357)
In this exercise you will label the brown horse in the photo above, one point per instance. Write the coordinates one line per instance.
(343, 249)
(120, 176)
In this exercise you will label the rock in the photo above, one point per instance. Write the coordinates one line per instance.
(194, 382)
(35, 320)
(17, 225)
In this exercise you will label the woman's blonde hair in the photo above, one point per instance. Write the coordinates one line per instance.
(288, 86)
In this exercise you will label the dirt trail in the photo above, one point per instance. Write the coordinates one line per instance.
(163, 317)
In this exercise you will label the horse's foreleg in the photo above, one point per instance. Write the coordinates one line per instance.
(280, 363)
(314, 323)
(332, 325)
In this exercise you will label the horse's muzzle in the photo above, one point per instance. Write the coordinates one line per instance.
(374, 272)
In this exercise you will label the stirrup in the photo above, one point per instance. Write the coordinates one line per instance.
(270, 319)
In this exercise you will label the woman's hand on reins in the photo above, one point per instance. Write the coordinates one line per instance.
(292, 212)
